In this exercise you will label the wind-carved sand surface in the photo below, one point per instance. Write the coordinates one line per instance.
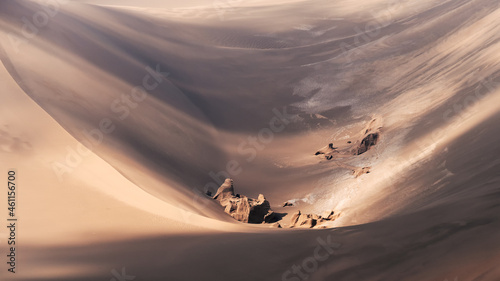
(380, 117)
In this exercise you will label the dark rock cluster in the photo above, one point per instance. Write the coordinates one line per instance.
(242, 208)
(359, 147)
(258, 211)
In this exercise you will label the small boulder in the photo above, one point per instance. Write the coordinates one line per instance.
(369, 141)
(258, 210)
(328, 151)
(276, 225)
(310, 220)
(328, 215)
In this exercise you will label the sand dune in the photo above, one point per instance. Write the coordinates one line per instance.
(119, 117)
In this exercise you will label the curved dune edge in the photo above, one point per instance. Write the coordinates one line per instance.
(94, 201)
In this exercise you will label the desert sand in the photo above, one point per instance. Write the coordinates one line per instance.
(369, 131)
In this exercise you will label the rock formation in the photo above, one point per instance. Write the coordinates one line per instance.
(357, 172)
(310, 220)
(328, 151)
(250, 210)
(369, 141)
(242, 208)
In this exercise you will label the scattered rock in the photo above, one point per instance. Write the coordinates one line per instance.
(328, 151)
(361, 171)
(310, 220)
(257, 211)
(288, 204)
(276, 225)
(369, 141)
(225, 191)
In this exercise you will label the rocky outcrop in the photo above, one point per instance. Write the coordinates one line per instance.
(311, 220)
(242, 208)
(357, 172)
(328, 151)
(258, 211)
(366, 139)
(369, 141)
